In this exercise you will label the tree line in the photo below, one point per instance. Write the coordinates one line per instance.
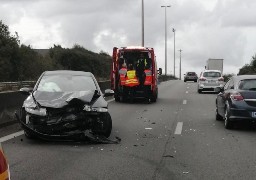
(19, 62)
(249, 68)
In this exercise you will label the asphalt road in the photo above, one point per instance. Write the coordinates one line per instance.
(175, 138)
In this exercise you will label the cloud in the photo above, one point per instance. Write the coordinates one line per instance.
(204, 29)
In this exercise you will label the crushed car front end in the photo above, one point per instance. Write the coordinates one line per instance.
(70, 121)
(65, 105)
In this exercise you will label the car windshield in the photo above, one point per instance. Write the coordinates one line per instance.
(248, 84)
(66, 83)
(191, 74)
(212, 74)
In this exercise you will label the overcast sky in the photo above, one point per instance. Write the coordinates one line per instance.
(205, 29)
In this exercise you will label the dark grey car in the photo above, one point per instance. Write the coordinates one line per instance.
(65, 104)
(190, 76)
(237, 100)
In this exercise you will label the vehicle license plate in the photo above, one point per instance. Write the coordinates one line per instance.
(254, 114)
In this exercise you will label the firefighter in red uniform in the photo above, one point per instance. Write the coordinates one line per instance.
(148, 75)
(144, 70)
(122, 73)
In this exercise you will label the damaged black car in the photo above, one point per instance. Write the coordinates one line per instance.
(65, 104)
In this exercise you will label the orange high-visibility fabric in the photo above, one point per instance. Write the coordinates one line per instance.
(148, 79)
(122, 73)
(131, 79)
(3, 167)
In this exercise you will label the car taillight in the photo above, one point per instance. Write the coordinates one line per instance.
(202, 79)
(221, 79)
(237, 96)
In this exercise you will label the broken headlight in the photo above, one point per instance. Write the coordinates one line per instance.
(98, 109)
(87, 108)
(36, 111)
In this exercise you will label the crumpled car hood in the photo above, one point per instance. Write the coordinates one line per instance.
(59, 99)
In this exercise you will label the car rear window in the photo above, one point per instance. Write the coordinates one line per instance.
(191, 74)
(247, 84)
(212, 74)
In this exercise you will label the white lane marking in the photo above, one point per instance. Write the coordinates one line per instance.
(148, 128)
(110, 100)
(187, 87)
(178, 129)
(11, 136)
(184, 101)
(186, 92)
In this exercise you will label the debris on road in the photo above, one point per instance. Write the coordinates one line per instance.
(168, 156)
(102, 139)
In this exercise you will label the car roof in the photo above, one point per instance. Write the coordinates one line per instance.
(242, 77)
(68, 72)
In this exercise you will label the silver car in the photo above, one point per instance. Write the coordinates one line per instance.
(209, 80)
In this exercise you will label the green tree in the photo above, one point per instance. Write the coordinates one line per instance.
(9, 48)
(227, 76)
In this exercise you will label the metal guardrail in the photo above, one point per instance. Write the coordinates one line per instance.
(13, 86)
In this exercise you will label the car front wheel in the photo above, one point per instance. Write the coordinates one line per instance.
(103, 126)
(28, 135)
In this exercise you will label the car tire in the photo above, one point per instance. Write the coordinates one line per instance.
(199, 91)
(218, 116)
(117, 98)
(103, 126)
(184, 80)
(195, 81)
(154, 97)
(28, 135)
(227, 123)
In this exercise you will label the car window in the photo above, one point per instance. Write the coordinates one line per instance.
(211, 74)
(227, 85)
(247, 84)
(231, 84)
(191, 73)
(64, 83)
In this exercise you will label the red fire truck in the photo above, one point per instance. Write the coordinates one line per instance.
(147, 84)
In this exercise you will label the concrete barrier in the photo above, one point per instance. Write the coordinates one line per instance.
(13, 100)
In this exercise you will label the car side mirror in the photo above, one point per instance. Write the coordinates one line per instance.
(160, 71)
(26, 90)
(109, 92)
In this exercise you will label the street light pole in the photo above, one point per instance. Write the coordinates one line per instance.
(173, 30)
(142, 22)
(165, 40)
(180, 63)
